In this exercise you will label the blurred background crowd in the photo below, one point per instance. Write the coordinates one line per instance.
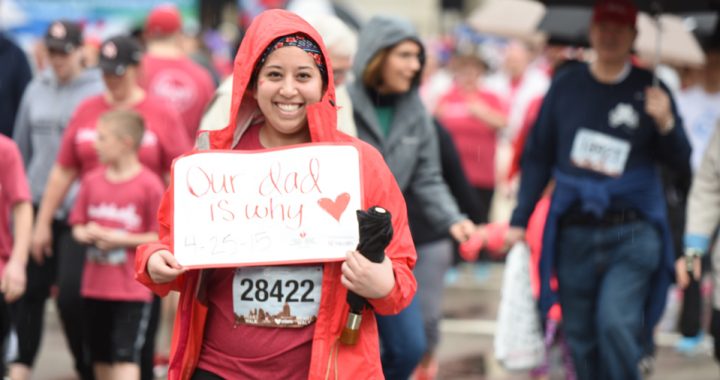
(487, 67)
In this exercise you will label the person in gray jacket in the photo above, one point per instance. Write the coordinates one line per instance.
(390, 116)
(44, 113)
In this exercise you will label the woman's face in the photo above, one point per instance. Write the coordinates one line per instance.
(400, 68)
(287, 83)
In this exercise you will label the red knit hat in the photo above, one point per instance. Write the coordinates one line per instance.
(618, 11)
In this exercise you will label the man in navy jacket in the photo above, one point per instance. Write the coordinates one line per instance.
(602, 130)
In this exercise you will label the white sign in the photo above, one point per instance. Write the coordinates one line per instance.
(266, 207)
(599, 152)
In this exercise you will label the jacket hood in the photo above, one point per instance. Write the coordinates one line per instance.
(382, 32)
(268, 26)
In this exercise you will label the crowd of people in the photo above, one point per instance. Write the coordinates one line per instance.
(615, 180)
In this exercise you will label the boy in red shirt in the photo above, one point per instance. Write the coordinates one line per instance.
(15, 202)
(114, 213)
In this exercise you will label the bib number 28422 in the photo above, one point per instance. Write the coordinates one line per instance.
(283, 291)
(277, 296)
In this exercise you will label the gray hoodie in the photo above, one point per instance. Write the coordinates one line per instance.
(44, 113)
(411, 148)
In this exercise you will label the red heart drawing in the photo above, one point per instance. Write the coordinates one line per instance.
(303, 234)
(337, 207)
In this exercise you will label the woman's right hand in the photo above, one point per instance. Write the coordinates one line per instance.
(162, 267)
(41, 245)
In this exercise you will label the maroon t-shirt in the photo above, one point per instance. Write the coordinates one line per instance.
(234, 350)
(184, 85)
(161, 142)
(130, 207)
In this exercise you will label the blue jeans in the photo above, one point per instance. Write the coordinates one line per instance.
(402, 341)
(604, 278)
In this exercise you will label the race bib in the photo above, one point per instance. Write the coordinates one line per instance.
(112, 257)
(599, 152)
(277, 296)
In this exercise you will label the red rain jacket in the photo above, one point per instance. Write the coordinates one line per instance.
(329, 359)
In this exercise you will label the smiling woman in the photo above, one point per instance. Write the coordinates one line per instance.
(285, 99)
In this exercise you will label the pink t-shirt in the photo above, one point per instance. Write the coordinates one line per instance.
(13, 190)
(160, 145)
(129, 206)
(184, 85)
(475, 140)
(237, 351)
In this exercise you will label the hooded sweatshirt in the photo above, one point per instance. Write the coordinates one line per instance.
(44, 113)
(411, 146)
(328, 359)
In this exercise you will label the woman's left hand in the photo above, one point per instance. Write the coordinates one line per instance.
(366, 278)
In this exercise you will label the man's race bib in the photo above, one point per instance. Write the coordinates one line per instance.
(599, 152)
(277, 296)
(112, 257)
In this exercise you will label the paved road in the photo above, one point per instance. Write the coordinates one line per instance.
(465, 351)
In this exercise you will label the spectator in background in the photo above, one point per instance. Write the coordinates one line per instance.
(473, 117)
(45, 111)
(390, 116)
(168, 74)
(517, 84)
(14, 77)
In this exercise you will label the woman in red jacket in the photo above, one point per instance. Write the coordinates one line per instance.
(283, 95)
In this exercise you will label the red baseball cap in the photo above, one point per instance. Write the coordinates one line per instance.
(618, 11)
(163, 20)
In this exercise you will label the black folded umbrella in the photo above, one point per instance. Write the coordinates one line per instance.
(376, 232)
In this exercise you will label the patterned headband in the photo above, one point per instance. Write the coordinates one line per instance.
(297, 40)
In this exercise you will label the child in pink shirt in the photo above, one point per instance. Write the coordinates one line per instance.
(114, 213)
